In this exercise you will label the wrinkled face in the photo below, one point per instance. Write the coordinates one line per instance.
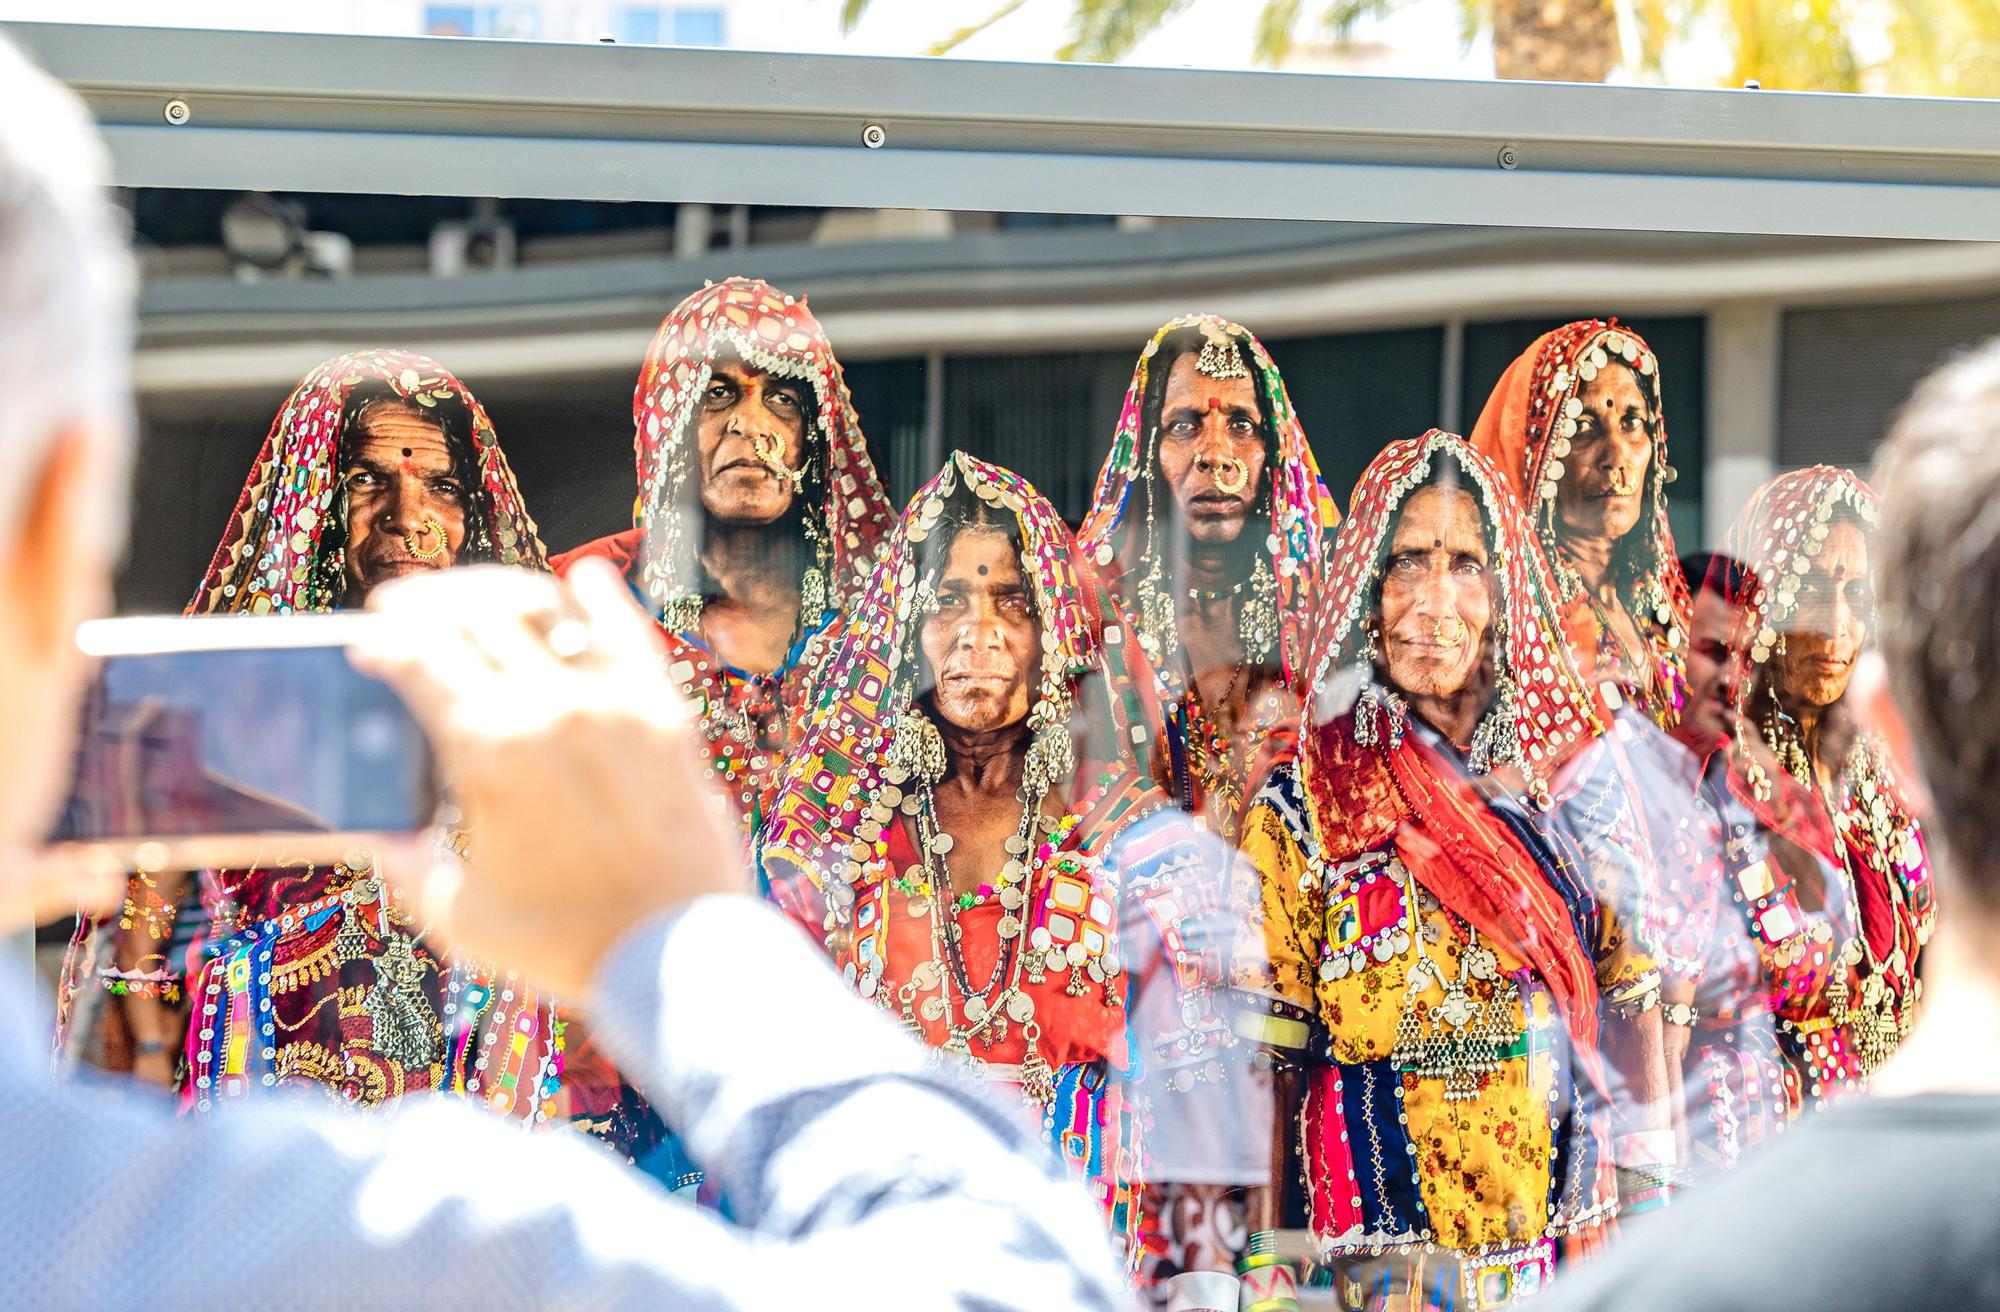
(1705, 723)
(1824, 635)
(1211, 449)
(1437, 595)
(1603, 490)
(747, 420)
(405, 501)
(981, 640)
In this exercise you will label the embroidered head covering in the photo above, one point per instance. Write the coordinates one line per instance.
(1776, 536)
(278, 553)
(1525, 430)
(836, 792)
(1368, 789)
(1117, 534)
(777, 333)
(1551, 710)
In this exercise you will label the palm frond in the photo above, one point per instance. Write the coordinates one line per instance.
(1277, 25)
(1475, 18)
(1655, 24)
(945, 45)
(1794, 47)
(1941, 48)
(1342, 16)
(1105, 31)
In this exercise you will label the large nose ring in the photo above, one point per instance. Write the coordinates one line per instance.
(1231, 475)
(1449, 632)
(430, 529)
(1622, 483)
(771, 450)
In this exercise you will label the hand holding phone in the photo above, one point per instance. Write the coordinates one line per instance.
(237, 742)
(570, 754)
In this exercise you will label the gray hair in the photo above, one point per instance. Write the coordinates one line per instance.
(1937, 551)
(66, 285)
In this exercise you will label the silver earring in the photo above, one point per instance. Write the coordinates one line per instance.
(1380, 716)
(1497, 740)
(682, 614)
(1257, 619)
(1052, 752)
(917, 749)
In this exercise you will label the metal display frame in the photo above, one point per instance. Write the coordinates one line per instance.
(443, 116)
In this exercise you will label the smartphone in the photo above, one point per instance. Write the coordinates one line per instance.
(239, 741)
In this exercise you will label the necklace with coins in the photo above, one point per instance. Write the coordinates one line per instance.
(942, 989)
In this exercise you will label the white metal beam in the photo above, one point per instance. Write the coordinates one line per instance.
(431, 116)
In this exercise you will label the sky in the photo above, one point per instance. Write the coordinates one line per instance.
(1421, 40)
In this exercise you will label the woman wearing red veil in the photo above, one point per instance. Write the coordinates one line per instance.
(379, 463)
(1209, 528)
(1431, 953)
(1837, 898)
(990, 861)
(758, 515)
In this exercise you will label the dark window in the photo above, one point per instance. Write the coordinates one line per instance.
(1845, 370)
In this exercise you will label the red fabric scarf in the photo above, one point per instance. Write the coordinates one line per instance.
(1468, 857)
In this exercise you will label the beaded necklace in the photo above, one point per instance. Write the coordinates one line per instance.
(1617, 659)
(986, 1012)
(1878, 1025)
(933, 844)
(1212, 758)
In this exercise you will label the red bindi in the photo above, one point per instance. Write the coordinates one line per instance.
(1215, 403)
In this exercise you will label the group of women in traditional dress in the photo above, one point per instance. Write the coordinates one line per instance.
(1399, 902)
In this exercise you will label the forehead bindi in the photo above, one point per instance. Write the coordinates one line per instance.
(1615, 390)
(1439, 519)
(1190, 389)
(395, 437)
(983, 560)
(1845, 554)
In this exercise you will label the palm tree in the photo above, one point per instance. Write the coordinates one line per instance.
(1935, 47)
(1563, 40)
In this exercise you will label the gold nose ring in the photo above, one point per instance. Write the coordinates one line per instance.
(1231, 486)
(1449, 631)
(430, 529)
(771, 450)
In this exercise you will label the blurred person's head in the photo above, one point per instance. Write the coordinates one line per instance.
(1937, 561)
(1709, 718)
(65, 422)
